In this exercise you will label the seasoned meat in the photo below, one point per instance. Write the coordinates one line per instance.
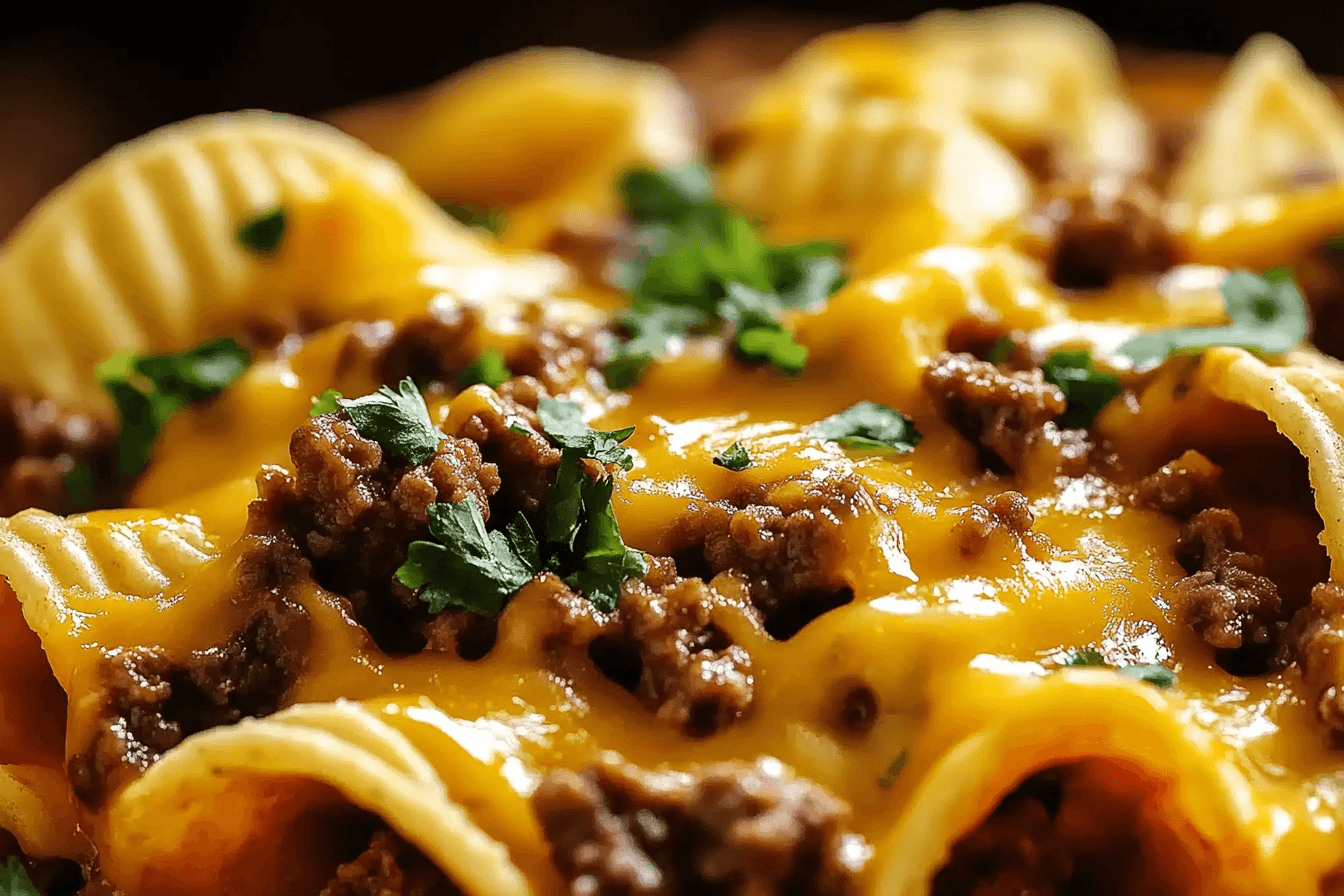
(39, 445)
(352, 511)
(430, 349)
(1006, 414)
(527, 463)
(619, 830)
(556, 358)
(1186, 485)
(1315, 640)
(1224, 599)
(390, 867)
(1008, 512)
(153, 702)
(1097, 231)
(784, 539)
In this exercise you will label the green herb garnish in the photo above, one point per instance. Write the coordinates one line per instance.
(14, 879)
(492, 221)
(325, 403)
(263, 233)
(1086, 389)
(1154, 674)
(79, 486)
(1086, 657)
(871, 426)
(398, 421)
(1000, 351)
(702, 265)
(148, 389)
(893, 771)
(1267, 315)
(734, 458)
(488, 368)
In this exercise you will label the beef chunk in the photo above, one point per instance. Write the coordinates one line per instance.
(1315, 640)
(352, 511)
(153, 702)
(435, 348)
(1097, 231)
(1005, 512)
(40, 444)
(390, 867)
(1188, 484)
(785, 540)
(1006, 414)
(618, 830)
(1224, 599)
(527, 463)
(556, 358)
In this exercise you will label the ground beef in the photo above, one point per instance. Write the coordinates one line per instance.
(618, 830)
(40, 444)
(1008, 512)
(556, 358)
(1224, 598)
(528, 462)
(435, 348)
(1005, 413)
(1315, 639)
(981, 339)
(1333, 883)
(352, 511)
(390, 867)
(1096, 231)
(1188, 484)
(153, 702)
(785, 540)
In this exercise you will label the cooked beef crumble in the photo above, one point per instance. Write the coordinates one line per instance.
(1005, 413)
(618, 830)
(390, 867)
(527, 463)
(1188, 484)
(1224, 598)
(1097, 231)
(1007, 512)
(1315, 639)
(154, 702)
(39, 445)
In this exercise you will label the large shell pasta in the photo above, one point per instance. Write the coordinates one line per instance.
(914, 489)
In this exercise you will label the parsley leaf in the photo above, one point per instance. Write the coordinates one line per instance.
(563, 421)
(14, 879)
(869, 425)
(1086, 657)
(1086, 390)
(1267, 315)
(488, 368)
(263, 233)
(399, 421)
(1000, 351)
(491, 221)
(702, 265)
(469, 567)
(606, 561)
(1159, 676)
(735, 458)
(893, 771)
(149, 389)
(325, 403)
(79, 486)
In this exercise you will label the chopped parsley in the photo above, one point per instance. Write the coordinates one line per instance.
(398, 421)
(893, 771)
(702, 266)
(492, 221)
(79, 482)
(469, 566)
(1266, 313)
(1086, 657)
(488, 368)
(149, 389)
(1086, 389)
(14, 879)
(1000, 351)
(263, 233)
(325, 403)
(1154, 674)
(734, 458)
(871, 426)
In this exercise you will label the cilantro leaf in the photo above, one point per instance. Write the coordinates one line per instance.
(149, 389)
(563, 421)
(325, 403)
(893, 771)
(653, 331)
(1086, 657)
(263, 233)
(871, 426)
(79, 486)
(1267, 314)
(492, 221)
(14, 879)
(1086, 390)
(1000, 351)
(1160, 676)
(467, 566)
(734, 458)
(399, 421)
(805, 275)
(606, 561)
(488, 368)
(669, 194)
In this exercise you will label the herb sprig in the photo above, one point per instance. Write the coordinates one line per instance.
(734, 457)
(1086, 389)
(701, 265)
(869, 426)
(263, 233)
(14, 879)
(1154, 674)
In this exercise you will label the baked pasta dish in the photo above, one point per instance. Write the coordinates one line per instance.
(927, 482)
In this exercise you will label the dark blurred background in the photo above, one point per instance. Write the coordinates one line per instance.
(76, 78)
